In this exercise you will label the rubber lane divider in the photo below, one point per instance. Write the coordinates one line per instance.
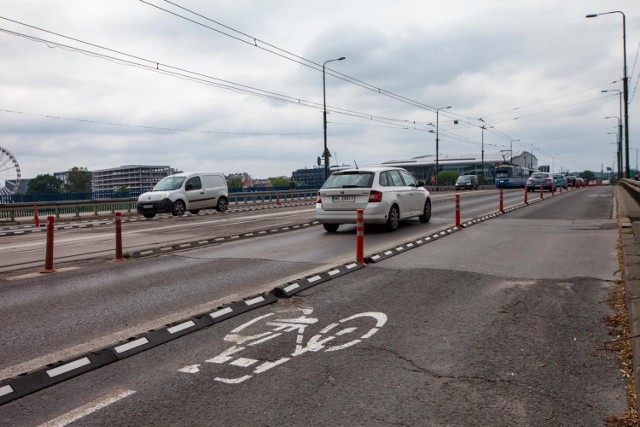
(222, 239)
(37, 380)
(411, 245)
(31, 382)
(156, 337)
(291, 288)
(235, 308)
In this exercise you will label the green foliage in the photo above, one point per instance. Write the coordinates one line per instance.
(280, 181)
(79, 180)
(588, 175)
(44, 184)
(235, 182)
(447, 177)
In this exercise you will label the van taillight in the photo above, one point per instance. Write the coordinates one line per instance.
(375, 196)
(319, 198)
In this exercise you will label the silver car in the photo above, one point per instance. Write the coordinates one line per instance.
(386, 194)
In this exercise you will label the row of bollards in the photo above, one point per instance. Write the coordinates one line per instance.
(48, 259)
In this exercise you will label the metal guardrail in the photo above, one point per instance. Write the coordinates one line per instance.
(12, 211)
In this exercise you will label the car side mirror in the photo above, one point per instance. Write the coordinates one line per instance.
(420, 183)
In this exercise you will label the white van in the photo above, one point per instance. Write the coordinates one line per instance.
(185, 192)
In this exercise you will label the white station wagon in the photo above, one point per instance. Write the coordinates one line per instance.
(386, 194)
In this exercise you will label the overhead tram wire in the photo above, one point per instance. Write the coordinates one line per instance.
(253, 41)
(162, 68)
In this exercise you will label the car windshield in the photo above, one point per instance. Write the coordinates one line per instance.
(464, 179)
(169, 183)
(350, 180)
(538, 175)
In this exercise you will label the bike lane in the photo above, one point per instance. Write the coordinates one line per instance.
(399, 342)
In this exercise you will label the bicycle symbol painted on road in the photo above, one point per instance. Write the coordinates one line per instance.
(333, 337)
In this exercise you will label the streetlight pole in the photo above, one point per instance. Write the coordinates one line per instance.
(620, 170)
(326, 154)
(511, 149)
(483, 128)
(619, 142)
(625, 86)
(438, 141)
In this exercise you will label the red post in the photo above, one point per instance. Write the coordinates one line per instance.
(118, 237)
(36, 217)
(457, 210)
(48, 260)
(277, 198)
(541, 191)
(526, 196)
(501, 200)
(360, 236)
(553, 190)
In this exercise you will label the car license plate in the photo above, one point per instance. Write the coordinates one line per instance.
(344, 198)
(147, 206)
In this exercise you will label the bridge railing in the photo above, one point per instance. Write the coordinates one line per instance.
(77, 208)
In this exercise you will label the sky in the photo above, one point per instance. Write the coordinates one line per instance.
(237, 86)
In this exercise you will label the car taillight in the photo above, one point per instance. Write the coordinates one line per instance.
(319, 198)
(375, 196)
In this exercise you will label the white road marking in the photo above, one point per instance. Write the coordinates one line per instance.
(87, 409)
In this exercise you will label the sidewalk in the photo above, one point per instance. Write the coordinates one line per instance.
(629, 226)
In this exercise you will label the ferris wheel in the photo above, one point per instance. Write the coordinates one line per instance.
(9, 173)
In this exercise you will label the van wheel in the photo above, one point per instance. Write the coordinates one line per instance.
(149, 215)
(194, 211)
(222, 205)
(394, 218)
(426, 216)
(178, 208)
(331, 228)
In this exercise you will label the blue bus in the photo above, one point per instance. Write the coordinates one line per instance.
(511, 176)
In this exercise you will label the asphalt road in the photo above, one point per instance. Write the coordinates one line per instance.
(497, 324)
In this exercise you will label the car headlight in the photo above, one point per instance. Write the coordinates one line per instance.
(164, 196)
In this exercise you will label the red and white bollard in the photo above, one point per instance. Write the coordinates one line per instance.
(501, 200)
(360, 236)
(541, 191)
(277, 198)
(458, 210)
(36, 216)
(48, 260)
(526, 196)
(118, 237)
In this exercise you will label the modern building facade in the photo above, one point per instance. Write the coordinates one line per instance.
(135, 178)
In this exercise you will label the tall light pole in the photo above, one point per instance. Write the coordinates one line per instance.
(483, 128)
(438, 141)
(511, 149)
(619, 142)
(625, 88)
(620, 170)
(326, 154)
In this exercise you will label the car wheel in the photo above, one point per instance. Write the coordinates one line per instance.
(426, 216)
(393, 221)
(178, 208)
(149, 215)
(222, 205)
(331, 228)
(194, 211)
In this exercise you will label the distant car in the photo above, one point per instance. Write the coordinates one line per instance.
(605, 182)
(580, 182)
(572, 180)
(593, 182)
(561, 180)
(467, 182)
(541, 179)
(386, 194)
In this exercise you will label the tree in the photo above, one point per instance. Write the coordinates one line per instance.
(44, 184)
(280, 181)
(79, 180)
(588, 175)
(234, 182)
(447, 177)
